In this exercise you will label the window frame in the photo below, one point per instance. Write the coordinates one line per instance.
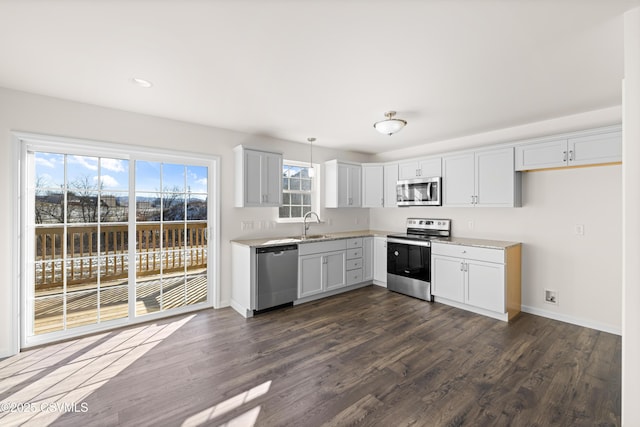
(24, 142)
(315, 191)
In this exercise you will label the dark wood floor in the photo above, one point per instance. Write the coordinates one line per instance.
(367, 357)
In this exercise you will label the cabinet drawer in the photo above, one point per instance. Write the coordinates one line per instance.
(354, 253)
(319, 247)
(354, 276)
(354, 243)
(468, 252)
(352, 264)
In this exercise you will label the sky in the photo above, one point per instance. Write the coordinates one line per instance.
(114, 173)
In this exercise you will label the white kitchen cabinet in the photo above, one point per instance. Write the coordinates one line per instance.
(343, 184)
(258, 178)
(390, 185)
(372, 185)
(484, 179)
(483, 280)
(367, 258)
(380, 260)
(321, 267)
(321, 272)
(591, 148)
(424, 168)
(447, 277)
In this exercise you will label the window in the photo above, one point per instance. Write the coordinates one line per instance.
(298, 191)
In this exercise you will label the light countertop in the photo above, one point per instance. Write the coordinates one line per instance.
(480, 243)
(275, 241)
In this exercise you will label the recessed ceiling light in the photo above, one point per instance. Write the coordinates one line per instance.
(141, 82)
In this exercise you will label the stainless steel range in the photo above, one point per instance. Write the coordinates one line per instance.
(409, 256)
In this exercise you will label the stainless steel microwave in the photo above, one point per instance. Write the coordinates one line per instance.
(419, 192)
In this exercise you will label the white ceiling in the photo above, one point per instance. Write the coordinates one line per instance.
(328, 69)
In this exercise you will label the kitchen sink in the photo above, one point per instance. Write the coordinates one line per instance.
(312, 237)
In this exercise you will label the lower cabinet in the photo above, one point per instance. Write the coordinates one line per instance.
(321, 272)
(380, 260)
(483, 280)
(331, 265)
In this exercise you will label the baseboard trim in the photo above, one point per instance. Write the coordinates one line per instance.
(573, 320)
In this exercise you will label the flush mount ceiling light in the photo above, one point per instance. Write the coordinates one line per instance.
(141, 82)
(391, 125)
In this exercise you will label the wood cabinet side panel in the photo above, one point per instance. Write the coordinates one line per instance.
(514, 280)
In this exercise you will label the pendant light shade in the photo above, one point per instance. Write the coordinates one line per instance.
(391, 125)
(312, 171)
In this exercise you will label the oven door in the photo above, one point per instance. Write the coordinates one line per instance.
(409, 267)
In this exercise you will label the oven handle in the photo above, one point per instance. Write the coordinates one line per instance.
(408, 242)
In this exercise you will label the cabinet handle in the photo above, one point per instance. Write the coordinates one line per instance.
(570, 155)
(564, 156)
(462, 266)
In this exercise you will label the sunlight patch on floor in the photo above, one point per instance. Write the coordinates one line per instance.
(63, 388)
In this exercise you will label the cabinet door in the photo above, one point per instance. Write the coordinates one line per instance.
(272, 179)
(355, 186)
(372, 186)
(367, 258)
(408, 170)
(594, 149)
(541, 155)
(495, 178)
(334, 270)
(390, 185)
(485, 285)
(253, 194)
(310, 275)
(380, 259)
(458, 180)
(447, 277)
(343, 185)
(431, 167)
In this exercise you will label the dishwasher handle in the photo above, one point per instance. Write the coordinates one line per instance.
(277, 250)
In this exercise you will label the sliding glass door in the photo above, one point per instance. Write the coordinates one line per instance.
(112, 239)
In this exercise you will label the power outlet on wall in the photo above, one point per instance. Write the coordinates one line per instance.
(551, 297)
(470, 224)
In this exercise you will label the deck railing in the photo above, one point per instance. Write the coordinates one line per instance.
(166, 248)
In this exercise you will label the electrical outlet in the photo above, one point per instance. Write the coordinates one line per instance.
(246, 225)
(551, 297)
(470, 224)
(578, 229)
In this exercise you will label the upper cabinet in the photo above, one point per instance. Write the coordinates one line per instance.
(343, 184)
(258, 178)
(372, 185)
(483, 178)
(390, 185)
(589, 149)
(420, 168)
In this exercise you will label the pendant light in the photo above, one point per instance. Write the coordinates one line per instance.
(390, 125)
(312, 171)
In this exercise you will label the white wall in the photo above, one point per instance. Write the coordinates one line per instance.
(38, 114)
(631, 221)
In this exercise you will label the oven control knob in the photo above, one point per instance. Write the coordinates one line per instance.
(396, 253)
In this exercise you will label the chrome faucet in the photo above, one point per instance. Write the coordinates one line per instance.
(305, 226)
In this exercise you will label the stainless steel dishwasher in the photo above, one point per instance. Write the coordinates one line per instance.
(277, 276)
